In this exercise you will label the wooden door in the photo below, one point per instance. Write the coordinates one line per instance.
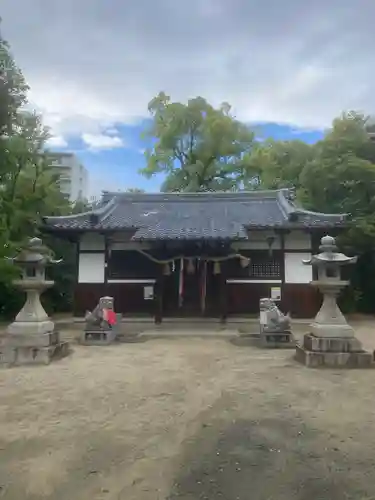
(213, 292)
(183, 299)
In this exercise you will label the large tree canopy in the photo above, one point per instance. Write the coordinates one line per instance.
(277, 164)
(341, 175)
(13, 89)
(335, 175)
(198, 147)
(28, 187)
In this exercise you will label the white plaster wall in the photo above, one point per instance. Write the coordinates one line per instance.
(295, 270)
(297, 240)
(258, 241)
(92, 241)
(91, 267)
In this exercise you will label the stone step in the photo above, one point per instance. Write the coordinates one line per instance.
(242, 323)
(191, 333)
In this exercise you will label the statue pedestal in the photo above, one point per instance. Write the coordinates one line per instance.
(98, 335)
(331, 341)
(102, 324)
(275, 329)
(277, 339)
(31, 338)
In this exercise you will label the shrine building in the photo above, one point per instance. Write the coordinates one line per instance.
(196, 254)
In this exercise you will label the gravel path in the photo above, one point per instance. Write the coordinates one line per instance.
(186, 419)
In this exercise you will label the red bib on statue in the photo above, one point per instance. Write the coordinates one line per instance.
(110, 316)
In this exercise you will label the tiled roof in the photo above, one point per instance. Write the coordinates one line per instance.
(215, 215)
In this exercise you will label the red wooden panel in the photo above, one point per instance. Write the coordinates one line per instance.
(243, 298)
(300, 300)
(86, 297)
(129, 298)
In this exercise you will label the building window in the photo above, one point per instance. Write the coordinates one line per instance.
(266, 269)
(262, 265)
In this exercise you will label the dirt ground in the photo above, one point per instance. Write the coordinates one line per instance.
(187, 419)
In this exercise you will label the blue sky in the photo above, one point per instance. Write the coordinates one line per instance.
(93, 66)
(118, 168)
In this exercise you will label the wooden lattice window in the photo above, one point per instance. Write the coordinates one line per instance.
(265, 269)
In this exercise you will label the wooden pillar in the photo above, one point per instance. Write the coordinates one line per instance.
(223, 296)
(202, 278)
(284, 303)
(158, 296)
(76, 305)
(282, 264)
(106, 264)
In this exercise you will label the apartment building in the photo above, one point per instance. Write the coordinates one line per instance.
(73, 176)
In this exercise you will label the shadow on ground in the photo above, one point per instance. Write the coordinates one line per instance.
(269, 459)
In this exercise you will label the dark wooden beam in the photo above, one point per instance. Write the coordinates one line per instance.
(76, 264)
(158, 296)
(106, 262)
(282, 262)
(223, 296)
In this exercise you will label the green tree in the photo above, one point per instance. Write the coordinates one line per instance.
(335, 175)
(277, 164)
(13, 89)
(198, 147)
(28, 186)
(341, 176)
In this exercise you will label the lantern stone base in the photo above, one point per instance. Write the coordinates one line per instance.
(30, 328)
(325, 329)
(32, 349)
(334, 352)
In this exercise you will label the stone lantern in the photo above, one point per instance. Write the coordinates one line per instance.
(331, 341)
(32, 338)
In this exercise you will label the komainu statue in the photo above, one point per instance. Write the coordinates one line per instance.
(275, 328)
(102, 323)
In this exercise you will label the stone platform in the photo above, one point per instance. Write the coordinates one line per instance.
(32, 349)
(333, 352)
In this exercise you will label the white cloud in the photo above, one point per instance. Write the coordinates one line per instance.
(111, 131)
(101, 141)
(91, 67)
(57, 141)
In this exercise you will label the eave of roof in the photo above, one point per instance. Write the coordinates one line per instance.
(215, 215)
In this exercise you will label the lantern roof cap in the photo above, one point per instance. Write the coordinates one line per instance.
(329, 254)
(34, 252)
